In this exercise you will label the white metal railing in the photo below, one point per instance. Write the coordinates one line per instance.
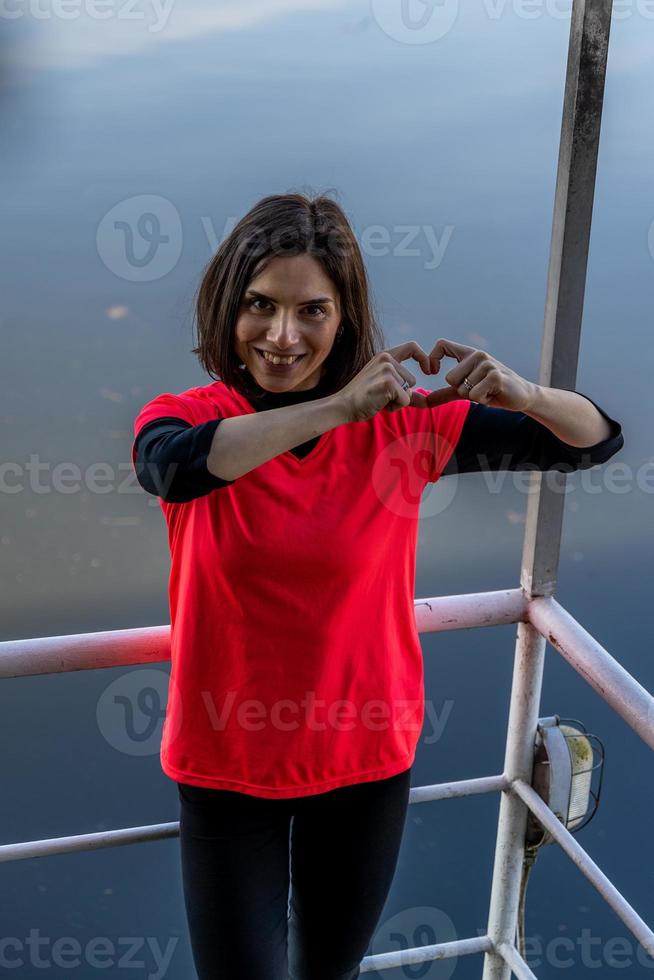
(616, 686)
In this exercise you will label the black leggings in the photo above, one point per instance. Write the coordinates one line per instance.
(338, 853)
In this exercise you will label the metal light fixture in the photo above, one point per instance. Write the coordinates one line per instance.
(564, 762)
(562, 775)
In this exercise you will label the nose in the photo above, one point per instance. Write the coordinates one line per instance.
(283, 332)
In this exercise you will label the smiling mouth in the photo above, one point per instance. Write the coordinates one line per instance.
(267, 358)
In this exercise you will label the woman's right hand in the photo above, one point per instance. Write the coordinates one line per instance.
(379, 384)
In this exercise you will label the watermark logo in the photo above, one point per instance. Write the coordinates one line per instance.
(401, 472)
(650, 239)
(153, 13)
(592, 951)
(413, 241)
(426, 21)
(131, 711)
(142, 953)
(422, 925)
(415, 21)
(316, 714)
(132, 716)
(140, 238)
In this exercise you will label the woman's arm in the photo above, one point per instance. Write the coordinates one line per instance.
(243, 442)
(499, 439)
(171, 455)
(569, 415)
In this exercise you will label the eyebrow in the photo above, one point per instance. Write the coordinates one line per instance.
(306, 302)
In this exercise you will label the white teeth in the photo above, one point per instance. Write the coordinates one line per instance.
(275, 359)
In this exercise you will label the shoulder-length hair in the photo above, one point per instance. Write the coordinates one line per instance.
(285, 225)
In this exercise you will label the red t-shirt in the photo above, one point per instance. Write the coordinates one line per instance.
(296, 664)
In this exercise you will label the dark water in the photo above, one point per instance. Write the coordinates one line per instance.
(455, 140)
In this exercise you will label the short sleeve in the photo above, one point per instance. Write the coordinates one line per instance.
(442, 425)
(169, 452)
(165, 405)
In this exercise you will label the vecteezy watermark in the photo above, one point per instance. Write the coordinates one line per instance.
(41, 477)
(318, 714)
(562, 9)
(401, 472)
(153, 13)
(592, 951)
(131, 712)
(415, 21)
(422, 925)
(426, 21)
(427, 925)
(142, 953)
(140, 239)
(399, 475)
(401, 241)
(407, 465)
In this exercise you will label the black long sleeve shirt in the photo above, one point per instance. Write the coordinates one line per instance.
(171, 454)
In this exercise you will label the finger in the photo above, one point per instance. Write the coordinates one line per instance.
(414, 350)
(438, 397)
(401, 399)
(403, 374)
(448, 348)
(471, 368)
(484, 391)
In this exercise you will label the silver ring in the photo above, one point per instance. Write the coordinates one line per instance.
(467, 384)
(406, 385)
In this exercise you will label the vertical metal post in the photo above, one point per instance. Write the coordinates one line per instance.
(573, 208)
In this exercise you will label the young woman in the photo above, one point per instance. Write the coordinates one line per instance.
(291, 487)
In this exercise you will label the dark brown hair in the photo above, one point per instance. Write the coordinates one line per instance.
(285, 225)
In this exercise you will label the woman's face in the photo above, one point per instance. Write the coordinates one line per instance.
(291, 308)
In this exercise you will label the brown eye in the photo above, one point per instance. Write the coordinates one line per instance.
(314, 306)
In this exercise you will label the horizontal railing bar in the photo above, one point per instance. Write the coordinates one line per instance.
(422, 954)
(586, 865)
(136, 835)
(596, 665)
(462, 787)
(518, 966)
(84, 651)
(87, 842)
(471, 610)
(151, 644)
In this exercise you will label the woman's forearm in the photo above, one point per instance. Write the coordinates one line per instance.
(571, 417)
(242, 442)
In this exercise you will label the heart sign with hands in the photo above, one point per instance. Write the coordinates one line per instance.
(480, 377)
(384, 382)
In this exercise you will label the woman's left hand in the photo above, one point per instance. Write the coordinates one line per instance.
(493, 383)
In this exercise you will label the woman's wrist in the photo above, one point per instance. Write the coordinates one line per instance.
(338, 408)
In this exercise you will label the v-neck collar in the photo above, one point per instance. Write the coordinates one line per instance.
(260, 399)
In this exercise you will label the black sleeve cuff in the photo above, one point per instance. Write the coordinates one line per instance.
(171, 459)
